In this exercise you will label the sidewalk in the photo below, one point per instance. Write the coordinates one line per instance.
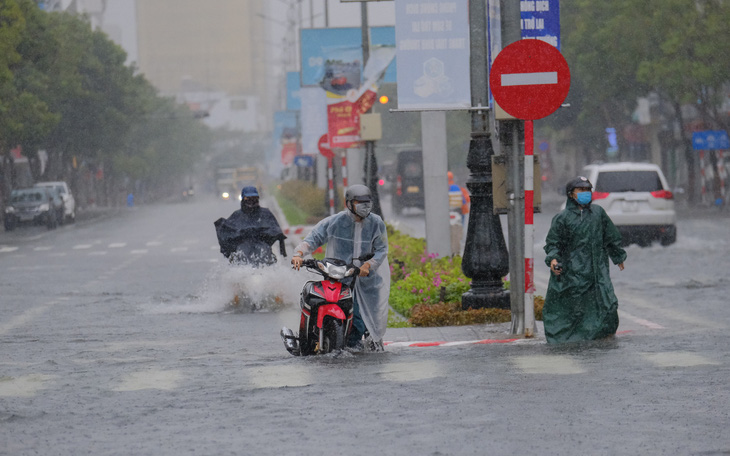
(457, 335)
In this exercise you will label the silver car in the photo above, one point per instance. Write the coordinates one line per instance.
(637, 198)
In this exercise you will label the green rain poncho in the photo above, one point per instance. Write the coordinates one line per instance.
(580, 303)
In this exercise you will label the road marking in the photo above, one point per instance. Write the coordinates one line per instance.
(410, 372)
(24, 386)
(669, 313)
(117, 245)
(153, 243)
(138, 252)
(552, 364)
(5, 249)
(641, 321)
(678, 359)
(25, 317)
(520, 79)
(102, 252)
(279, 376)
(82, 246)
(42, 249)
(151, 379)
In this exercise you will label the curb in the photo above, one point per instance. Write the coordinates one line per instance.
(417, 344)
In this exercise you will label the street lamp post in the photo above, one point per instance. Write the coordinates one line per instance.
(485, 258)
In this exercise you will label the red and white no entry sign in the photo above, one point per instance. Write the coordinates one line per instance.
(324, 147)
(529, 79)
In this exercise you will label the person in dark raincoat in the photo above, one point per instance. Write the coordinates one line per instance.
(580, 303)
(247, 235)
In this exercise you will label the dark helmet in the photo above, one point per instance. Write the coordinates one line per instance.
(249, 191)
(578, 182)
(358, 192)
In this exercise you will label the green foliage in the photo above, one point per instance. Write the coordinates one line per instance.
(427, 290)
(65, 87)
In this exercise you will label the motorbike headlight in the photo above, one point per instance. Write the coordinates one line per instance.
(334, 271)
(44, 207)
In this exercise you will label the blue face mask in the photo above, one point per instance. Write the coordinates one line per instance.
(583, 198)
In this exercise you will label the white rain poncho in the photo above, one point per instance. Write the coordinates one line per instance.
(347, 239)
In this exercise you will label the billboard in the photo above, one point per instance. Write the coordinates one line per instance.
(432, 41)
(318, 46)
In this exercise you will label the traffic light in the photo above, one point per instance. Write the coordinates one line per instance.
(383, 99)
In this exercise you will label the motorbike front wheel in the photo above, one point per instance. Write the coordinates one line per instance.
(334, 335)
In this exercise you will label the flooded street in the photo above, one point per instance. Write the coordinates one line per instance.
(116, 338)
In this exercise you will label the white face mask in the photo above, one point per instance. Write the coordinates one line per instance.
(362, 209)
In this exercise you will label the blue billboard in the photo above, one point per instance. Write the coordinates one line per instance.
(320, 46)
(293, 95)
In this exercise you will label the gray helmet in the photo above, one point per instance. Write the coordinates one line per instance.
(578, 182)
(358, 192)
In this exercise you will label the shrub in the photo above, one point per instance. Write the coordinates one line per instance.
(427, 289)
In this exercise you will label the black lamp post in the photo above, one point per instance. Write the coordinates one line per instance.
(485, 259)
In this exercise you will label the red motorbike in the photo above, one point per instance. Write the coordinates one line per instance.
(327, 308)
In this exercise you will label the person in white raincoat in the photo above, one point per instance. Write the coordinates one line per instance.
(350, 234)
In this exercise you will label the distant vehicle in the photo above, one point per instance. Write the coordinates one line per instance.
(69, 201)
(637, 198)
(408, 181)
(230, 181)
(34, 206)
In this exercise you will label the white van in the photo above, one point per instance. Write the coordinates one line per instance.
(68, 199)
(637, 198)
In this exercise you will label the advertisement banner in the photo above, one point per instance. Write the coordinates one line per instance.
(286, 136)
(432, 39)
(344, 106)
(540, 20)
(313, 118)
(320, 46)
(293, 96)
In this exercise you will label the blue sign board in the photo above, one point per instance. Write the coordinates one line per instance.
(710, 140)
(293, 86)
(540, 20)
(339, 44)
(432, 45)
(304, 161)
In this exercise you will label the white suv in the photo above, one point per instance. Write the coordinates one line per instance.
(68, 199)
(637, 198)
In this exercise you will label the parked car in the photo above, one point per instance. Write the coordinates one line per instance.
(36, 205)
(68, 198)
(637, 198)
(409, 190)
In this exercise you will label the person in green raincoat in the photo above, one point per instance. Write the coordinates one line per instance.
(580, 303)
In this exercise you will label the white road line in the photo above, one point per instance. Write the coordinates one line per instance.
(82, 246)
(678, 359)
(666, 312)
(279, 376)
(410, 372)
(102, 252)
(5, 249)
(641, 321)
(117, 245)
(554, 365)
(24, 386)
(42, 248)
(25, 317)
(138, 251)
(153, 243)
(151, 379)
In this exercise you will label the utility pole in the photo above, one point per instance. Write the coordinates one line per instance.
(485, 259)
(371, 163)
